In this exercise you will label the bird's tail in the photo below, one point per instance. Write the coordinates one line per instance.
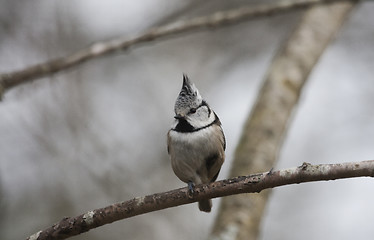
(205, 205)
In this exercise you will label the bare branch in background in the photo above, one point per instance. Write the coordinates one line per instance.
(218, 19)
(69, 227)
(265, 129)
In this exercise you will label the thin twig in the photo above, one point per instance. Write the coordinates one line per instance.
(68, 227)
(218, 19)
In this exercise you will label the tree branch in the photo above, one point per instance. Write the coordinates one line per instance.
(262, 137)
(218, 19)
(254, 183)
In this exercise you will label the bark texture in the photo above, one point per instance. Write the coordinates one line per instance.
(72, 226)
(99, 49)
(239, 216)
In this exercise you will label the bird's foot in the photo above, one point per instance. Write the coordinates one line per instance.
(191, 189)
(270, 171)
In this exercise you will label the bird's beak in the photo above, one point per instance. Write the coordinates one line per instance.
(179, 117)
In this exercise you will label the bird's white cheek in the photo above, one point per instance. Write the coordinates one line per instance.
(201, 121)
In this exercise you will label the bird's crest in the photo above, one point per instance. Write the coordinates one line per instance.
(189, 97)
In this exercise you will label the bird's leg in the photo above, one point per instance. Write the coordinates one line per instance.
(270, 171)
(191, 189)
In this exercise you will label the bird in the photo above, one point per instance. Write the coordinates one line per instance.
(196, 143)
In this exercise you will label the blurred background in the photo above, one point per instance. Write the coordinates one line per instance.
(96, 134)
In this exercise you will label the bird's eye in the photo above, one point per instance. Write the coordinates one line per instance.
(192, 110)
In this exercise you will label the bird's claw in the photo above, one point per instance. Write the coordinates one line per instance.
(270, 171)
(191, 189)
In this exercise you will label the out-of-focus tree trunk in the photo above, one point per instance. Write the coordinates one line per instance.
(239, 216)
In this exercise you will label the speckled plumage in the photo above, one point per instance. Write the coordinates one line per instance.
(189, 97)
